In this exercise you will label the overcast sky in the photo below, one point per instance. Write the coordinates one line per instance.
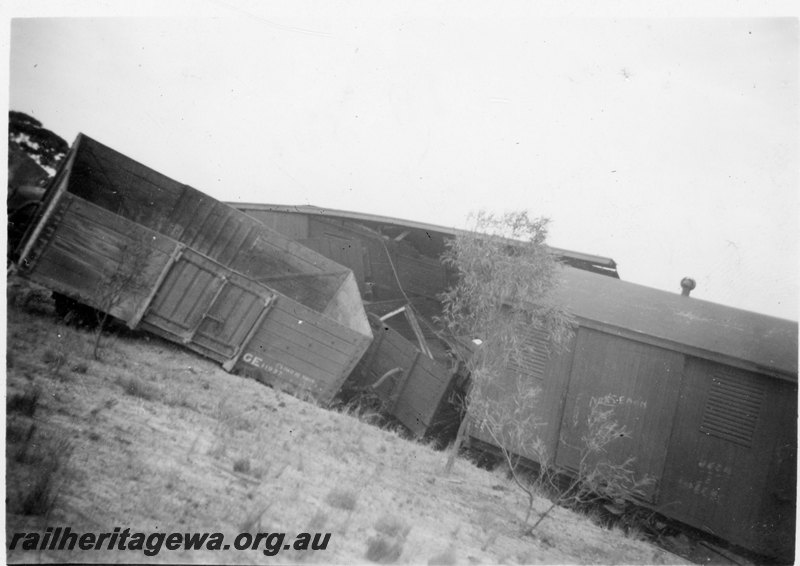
(669, 144)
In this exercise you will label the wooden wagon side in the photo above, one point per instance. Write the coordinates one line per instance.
(412, 386)
(707, 393)
(218, 282)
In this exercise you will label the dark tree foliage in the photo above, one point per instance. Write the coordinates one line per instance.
(30, 136)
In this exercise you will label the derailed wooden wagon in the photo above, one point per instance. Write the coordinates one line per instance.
(164, 257)
(708, 392)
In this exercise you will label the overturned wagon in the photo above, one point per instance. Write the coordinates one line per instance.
(396, 263)
(164, 257)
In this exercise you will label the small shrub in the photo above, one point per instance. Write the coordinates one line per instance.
(47, 458)
(231, 416)
(342, 499)
(80, 367)
(383, 549)
(107, 404)
(179, 397)
(34, 300)
(137, 388)
(173, 479)
(18, 431)
(242, 465)
(317, 522)
(390, 525)
(252, 522)
(24, 403)
(55, 360)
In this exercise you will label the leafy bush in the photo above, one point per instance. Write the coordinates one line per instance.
(506, 275)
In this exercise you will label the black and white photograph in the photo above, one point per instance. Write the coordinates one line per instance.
(368, 282)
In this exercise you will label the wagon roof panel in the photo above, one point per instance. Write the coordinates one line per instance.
(689, 324)
(429, 231)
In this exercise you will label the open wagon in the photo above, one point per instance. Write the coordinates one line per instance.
(164, 257)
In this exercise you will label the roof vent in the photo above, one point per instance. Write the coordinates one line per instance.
(687, 284)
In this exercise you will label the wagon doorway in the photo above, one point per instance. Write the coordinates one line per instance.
(207, 307)
(640, 383)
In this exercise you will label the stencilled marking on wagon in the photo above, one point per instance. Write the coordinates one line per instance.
(624, 400)
(277, 369)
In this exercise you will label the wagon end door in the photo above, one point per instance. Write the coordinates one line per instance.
(207, 307)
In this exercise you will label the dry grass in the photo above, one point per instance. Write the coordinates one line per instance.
(346, 499)
(136, 387)
(242, 465)
(175, 450)
(24, 403)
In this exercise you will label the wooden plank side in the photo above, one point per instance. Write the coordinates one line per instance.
(421, 275)
(217, 230)
(245, 245)
(183, 298)
(304, 346)
(640, 382)
(90, 247)
(377, 268)
(230, 319)
(543, 416)
(314, 291)
(291, 257)
(293, 226)
(121, 185)
(240, 238)
(741, 491)
(347, 252)
(326, 330)
(189, 214)
(423, 393)
(279, 351)
(207, 235)
(415, 393)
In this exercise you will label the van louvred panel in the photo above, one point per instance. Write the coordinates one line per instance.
(732, 407)
(533, 359)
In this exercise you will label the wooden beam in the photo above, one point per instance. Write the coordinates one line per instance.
(412, 320)
(140, 312)
(400, 384)
(394, 312)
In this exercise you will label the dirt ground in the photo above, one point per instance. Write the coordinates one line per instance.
(156, 439)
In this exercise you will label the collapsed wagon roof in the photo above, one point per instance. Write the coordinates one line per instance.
(427, 238)
(737, 337)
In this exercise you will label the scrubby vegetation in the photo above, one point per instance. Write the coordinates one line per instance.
(152, 437)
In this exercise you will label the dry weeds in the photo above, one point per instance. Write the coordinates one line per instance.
(169, 453)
